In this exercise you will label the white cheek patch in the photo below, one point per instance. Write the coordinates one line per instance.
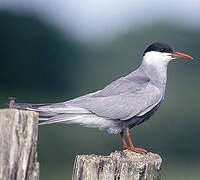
(157, 58)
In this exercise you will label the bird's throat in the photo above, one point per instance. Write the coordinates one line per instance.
(156, 73)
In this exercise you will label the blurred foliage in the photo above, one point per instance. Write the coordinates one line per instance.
(41, 64)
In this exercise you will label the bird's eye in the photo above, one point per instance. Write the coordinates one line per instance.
(162, 50)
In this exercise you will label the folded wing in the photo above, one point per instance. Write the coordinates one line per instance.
(122, 106)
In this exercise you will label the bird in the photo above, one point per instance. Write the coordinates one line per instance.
(122, 104)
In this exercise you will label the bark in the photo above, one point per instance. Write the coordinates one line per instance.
(119, 165)
(18, 143)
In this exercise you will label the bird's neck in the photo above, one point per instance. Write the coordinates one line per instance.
(156, 72)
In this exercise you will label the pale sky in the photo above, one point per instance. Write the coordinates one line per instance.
(88, 19)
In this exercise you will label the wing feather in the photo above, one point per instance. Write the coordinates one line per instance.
(123, 106)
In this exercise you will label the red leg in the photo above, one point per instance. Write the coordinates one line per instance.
(123, 140)
(132, 148)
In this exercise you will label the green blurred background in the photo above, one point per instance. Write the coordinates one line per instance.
(42, 63)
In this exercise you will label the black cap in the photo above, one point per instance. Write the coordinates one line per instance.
(159, 47)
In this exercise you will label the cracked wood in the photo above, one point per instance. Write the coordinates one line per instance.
(119, 165)
(18, 143)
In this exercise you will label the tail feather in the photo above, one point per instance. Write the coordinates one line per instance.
(51, 110)
(64, 118)
(70, 114)
(29, 106)
(86, 120)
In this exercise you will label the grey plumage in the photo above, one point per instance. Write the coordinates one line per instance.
(122, 104)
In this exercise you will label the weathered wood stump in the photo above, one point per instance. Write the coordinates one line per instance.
(18, 143)
(119, 165)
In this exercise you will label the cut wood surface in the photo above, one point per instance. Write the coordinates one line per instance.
(18, 143)
(119, 165)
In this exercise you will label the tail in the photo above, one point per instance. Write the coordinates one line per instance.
(60, 113)
(65, 113)
(43, 114)
(47, 111)
(87, 120)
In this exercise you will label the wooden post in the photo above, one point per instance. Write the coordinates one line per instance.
(119, 165)
(18, 143)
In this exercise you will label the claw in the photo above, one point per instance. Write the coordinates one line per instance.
(125, 147)
(131, 148)
(139, 150)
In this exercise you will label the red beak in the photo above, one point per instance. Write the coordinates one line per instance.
(180, 55)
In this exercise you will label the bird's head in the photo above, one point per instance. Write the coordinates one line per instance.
(160, 54)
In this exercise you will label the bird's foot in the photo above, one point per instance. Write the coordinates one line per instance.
(137, 150)
(125, 147)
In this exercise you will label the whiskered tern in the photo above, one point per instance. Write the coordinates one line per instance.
(121, 105)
